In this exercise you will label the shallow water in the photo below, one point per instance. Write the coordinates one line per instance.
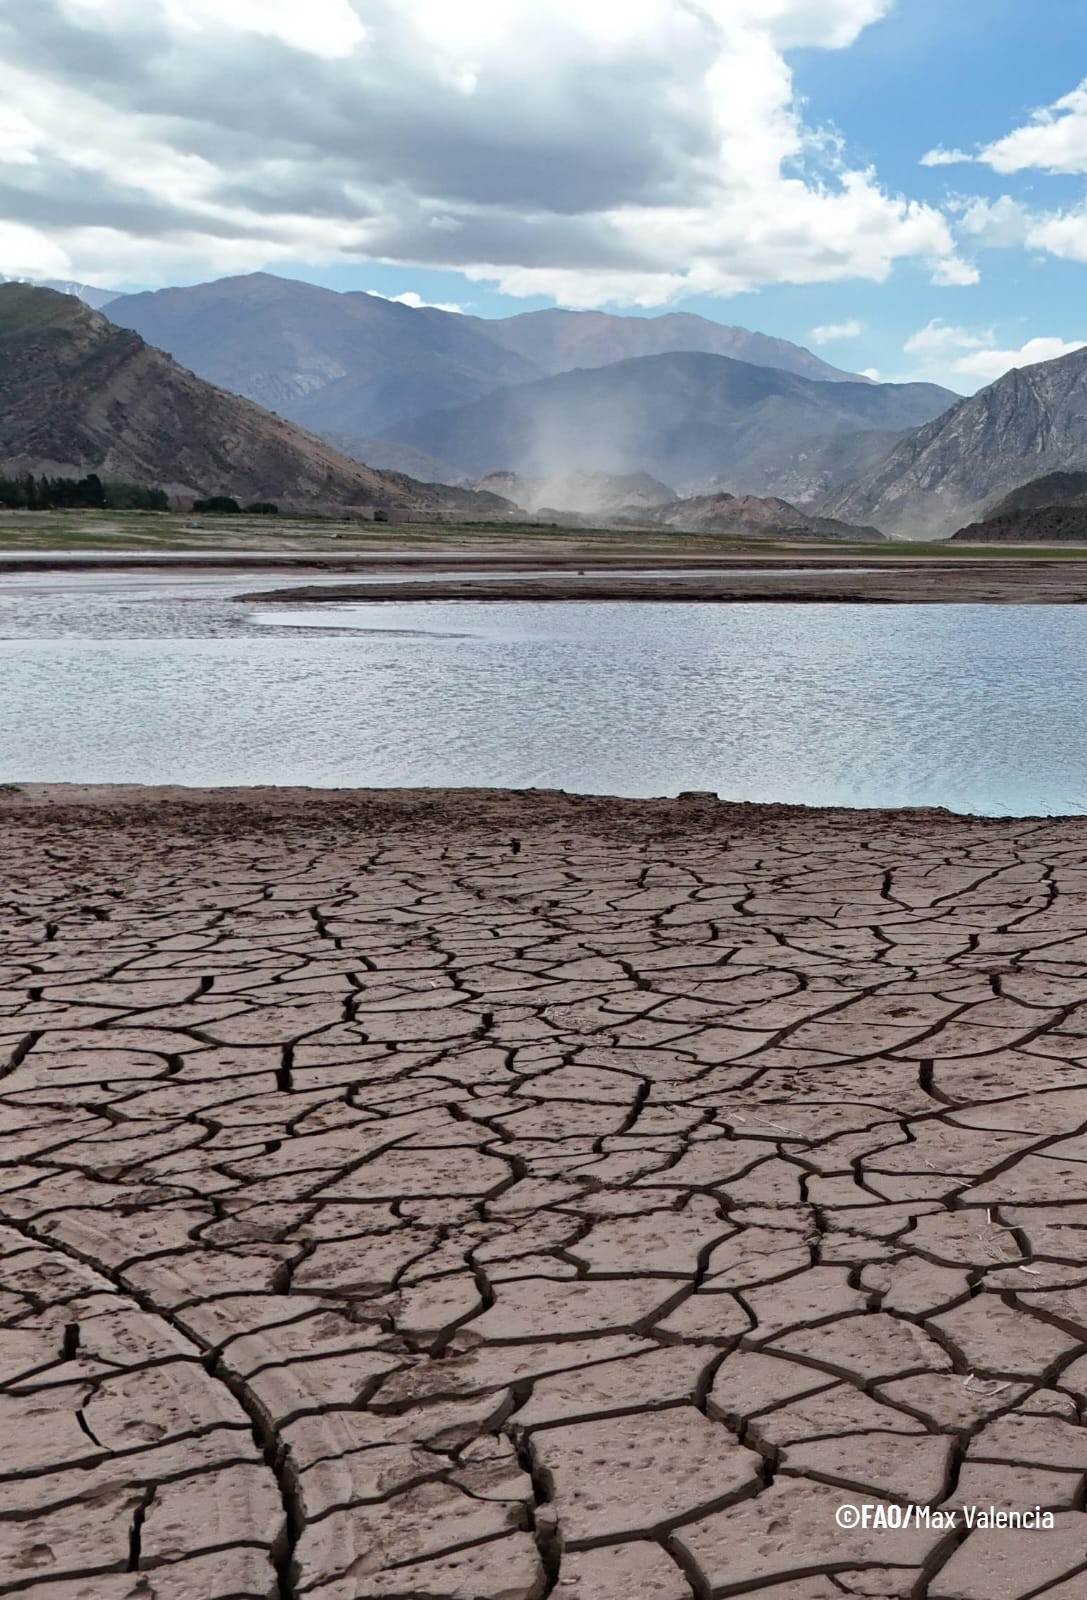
(164, 679)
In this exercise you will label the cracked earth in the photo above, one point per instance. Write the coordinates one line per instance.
(485, 1199)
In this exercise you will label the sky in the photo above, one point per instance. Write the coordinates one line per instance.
(898, 184)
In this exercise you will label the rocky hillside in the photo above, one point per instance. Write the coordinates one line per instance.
(388, 456)
(1054, 489)
(78, 394)
(749, 516)
(1043, 525)
(804, 472)
(1030, 423)
(1047, 510)
(681, 417)
(87, 292)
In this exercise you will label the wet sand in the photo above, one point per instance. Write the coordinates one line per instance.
(472, 1196)
(554, 573)
(788, 573)
(911, 581)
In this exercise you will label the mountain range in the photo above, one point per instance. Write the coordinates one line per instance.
(683, 417)
(356, 364)
(338, 363)
(78, 394)
(572, 404)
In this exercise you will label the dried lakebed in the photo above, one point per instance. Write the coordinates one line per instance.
(481, 1197)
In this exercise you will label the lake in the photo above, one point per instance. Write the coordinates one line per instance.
(163, 678)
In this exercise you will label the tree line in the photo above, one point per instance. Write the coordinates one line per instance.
(25, 492)
(226, 505)
(28, 493)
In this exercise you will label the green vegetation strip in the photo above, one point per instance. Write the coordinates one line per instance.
(106, 531)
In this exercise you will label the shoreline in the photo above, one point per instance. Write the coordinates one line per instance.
(468, 808)
(917, 582)
(786, 575)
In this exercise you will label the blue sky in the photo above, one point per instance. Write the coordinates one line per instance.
(757, 161)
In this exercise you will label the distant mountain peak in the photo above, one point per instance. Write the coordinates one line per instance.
(557, 340)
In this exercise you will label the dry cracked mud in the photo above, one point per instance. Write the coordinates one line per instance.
(488, 1198)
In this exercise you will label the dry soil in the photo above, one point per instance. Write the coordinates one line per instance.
(481, 1197)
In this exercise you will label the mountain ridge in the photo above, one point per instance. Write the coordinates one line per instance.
(680, 417)
(356, 364)
(78, 394)
(1053, 489)
(337, 363)
(1027, 424)
(87, 292)
(558, 340)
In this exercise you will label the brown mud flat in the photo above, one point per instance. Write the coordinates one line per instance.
(913, 581)
(475, 1196)
(549, 559)
(528, 556)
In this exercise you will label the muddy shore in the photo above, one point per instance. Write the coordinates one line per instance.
(787, 574)
(168, 806)
(479, 1195)
(910, 581)
(525, 556)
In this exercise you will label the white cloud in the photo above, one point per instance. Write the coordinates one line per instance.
(25, 253)
(945, 158)
(988, 365)
(831, 332)
(963, 358)
(938, 338)
(416, 301)
(19, 137)
(331, 28)
(621, 151)
(951, 272)
(1054, 140)
(1000, 222)
(827, 23)
(1062, 233)
(871, 372)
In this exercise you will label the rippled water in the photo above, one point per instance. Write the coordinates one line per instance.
(158, 678)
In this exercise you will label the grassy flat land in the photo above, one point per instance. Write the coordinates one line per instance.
(89, 531)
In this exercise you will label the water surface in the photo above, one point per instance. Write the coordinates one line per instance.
(160, 678)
